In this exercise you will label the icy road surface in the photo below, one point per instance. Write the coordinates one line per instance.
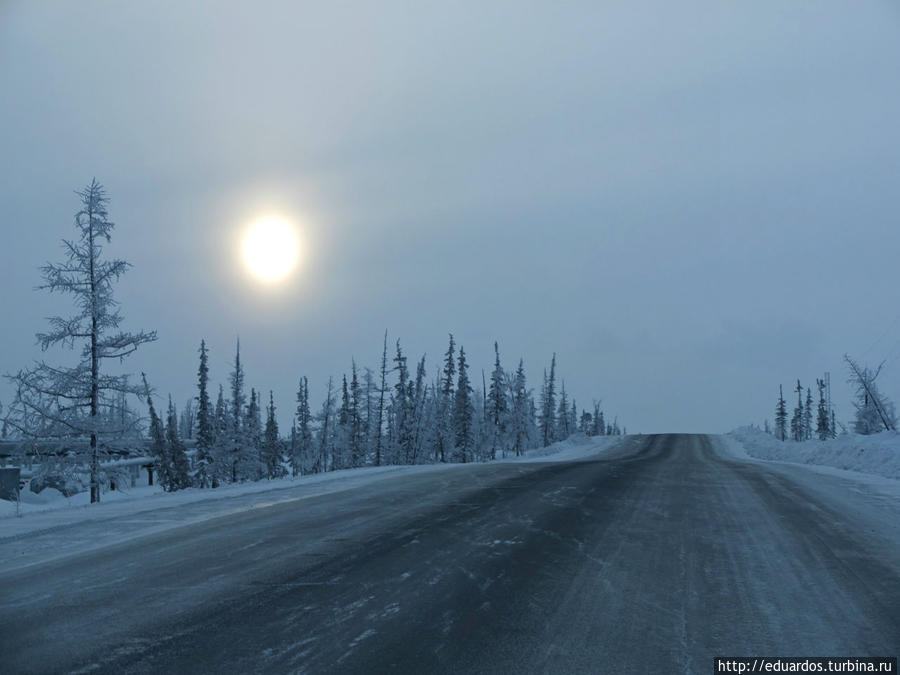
(650, 560)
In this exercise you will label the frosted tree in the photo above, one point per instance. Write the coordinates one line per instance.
(520, 417)
(822, 424)
(187, 420)
(562, 415)
(497, 405)
(379, 424)
(403, 413)
(445, 405)
(271, 444)
(548, 405)
(418, 404)
(178, 468)
(236, 437)
(797, 417)
(463, 411)
(159, 449)
(357, 447)
(205, 436)
(807, 415)
(300, 459)
(69, 402)
(587, 423)
(781, 416)
(874, 412)
(326, 430)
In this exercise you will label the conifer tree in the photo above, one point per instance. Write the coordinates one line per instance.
(205, 420)
(497, 404)
(304, 441)
(463, 411)
(807, 416)
(521, 412)
(587, 423)
(562, 416)
(403, 414)
(357, 451)
(159, 449)
(379, 427)
(178, 469)
(238, 399)
(417, 407)
(254, 464)
(548, 404)
(271, 446)
(445, 404)
(781, 416)
(822, 430)
(326, 430)
(797, 419)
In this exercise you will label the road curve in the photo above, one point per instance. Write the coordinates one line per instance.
(652, 561)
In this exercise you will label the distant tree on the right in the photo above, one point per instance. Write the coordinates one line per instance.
(874, 412)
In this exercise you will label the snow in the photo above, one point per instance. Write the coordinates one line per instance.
(50, 510)
(878, 454)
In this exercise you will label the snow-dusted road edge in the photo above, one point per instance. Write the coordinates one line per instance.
(50, 511)
(872, 501)
(876, 456)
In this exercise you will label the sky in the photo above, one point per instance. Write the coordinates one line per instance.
(689, 203)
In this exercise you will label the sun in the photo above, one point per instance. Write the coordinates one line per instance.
(271, 249)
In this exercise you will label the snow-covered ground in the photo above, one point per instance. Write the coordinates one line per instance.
(51, 510)
(878, 454)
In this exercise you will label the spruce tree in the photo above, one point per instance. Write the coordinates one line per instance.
(822, 430)
(562, 415)
(548, 401)
(271, 446)
(379, 426)
(357, 450)
(304, 441)
(521, 411)
(781, 416)
(178, 470)
(463, 411)
(326, 429)
(238, 400)
(417, 407)
(807, 416)
(797, 418)
(497, 405)
(444, 433)
(205, 429)
(159, 449)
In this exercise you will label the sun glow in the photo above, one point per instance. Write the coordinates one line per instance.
(271, 249)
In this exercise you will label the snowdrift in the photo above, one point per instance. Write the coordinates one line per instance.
(878, 454)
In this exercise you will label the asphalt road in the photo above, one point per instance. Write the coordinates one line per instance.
(650, 561)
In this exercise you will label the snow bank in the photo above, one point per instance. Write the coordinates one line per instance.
(577, 446)
(878, 454)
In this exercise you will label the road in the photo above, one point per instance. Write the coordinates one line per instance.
(651, 560)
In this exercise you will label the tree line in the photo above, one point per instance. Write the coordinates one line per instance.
(373, 417)
(874, 412)
(387, 415)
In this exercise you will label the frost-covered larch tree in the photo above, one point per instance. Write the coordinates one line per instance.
(70, 402)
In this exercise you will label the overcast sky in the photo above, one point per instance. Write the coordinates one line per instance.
(691, 203)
